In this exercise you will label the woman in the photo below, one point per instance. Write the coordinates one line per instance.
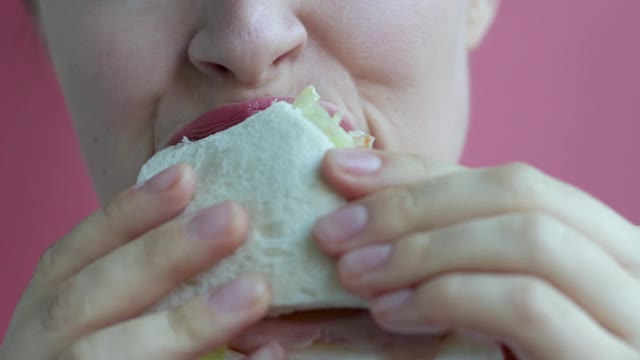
(507, 252)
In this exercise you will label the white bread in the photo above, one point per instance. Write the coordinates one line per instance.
(270, 164)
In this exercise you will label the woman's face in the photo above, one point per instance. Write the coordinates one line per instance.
(136, 71)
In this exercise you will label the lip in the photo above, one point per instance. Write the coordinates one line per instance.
(228, 115)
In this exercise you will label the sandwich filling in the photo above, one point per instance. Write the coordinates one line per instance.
(352, 335)
(308, 102)
(347, 330)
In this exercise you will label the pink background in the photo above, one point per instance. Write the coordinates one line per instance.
(554, 85)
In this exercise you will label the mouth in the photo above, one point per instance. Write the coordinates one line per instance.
(345, 329)
(226, 116)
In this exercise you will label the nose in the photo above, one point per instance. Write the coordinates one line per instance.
(246, 40)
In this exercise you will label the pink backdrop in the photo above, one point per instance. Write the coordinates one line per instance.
(555, 85)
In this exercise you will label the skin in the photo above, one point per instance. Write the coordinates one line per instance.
(488, 246)
(188, 62)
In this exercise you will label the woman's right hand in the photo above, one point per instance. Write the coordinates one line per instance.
(90, 289)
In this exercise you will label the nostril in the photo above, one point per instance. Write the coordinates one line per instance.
(280, 59)
(289, 55)
(217, 69)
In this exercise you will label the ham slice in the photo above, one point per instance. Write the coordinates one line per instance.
(357, 337)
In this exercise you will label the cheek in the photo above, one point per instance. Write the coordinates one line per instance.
(410, 61)
(394, 42)
(115, 60)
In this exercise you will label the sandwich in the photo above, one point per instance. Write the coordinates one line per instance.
(270, 164)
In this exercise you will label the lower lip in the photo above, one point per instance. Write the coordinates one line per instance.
(227, 116)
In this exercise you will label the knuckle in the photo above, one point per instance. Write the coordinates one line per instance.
(521, 181)
(439, 294)
(536, 231)
(115, 207)
(421, 166)
(155, 255)
(163, 252)
(48, 261)
(531, 304)
(404, 201)
(58, 311)
(543, 239)
(184, 329)
(413, 252)
(449, 288)
(433, 169)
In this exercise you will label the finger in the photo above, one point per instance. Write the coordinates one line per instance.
(206, 323)
(530, 244)
(355, 173)
(465, 195)
(272, 351)
(130, 214)
(134, 277)
(531, 316)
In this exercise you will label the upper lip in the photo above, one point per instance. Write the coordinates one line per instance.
(230, 114)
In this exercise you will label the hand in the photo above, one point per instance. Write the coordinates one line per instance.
(504, 252)
(89, 290)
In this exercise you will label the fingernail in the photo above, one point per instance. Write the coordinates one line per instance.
(365, 259)
(392, 302)
(342, 224)
(357, 162)
(273, 351)
(239, 295)
(210, 222)
(162, 181)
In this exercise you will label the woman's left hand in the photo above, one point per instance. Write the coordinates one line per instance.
(506, 252)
